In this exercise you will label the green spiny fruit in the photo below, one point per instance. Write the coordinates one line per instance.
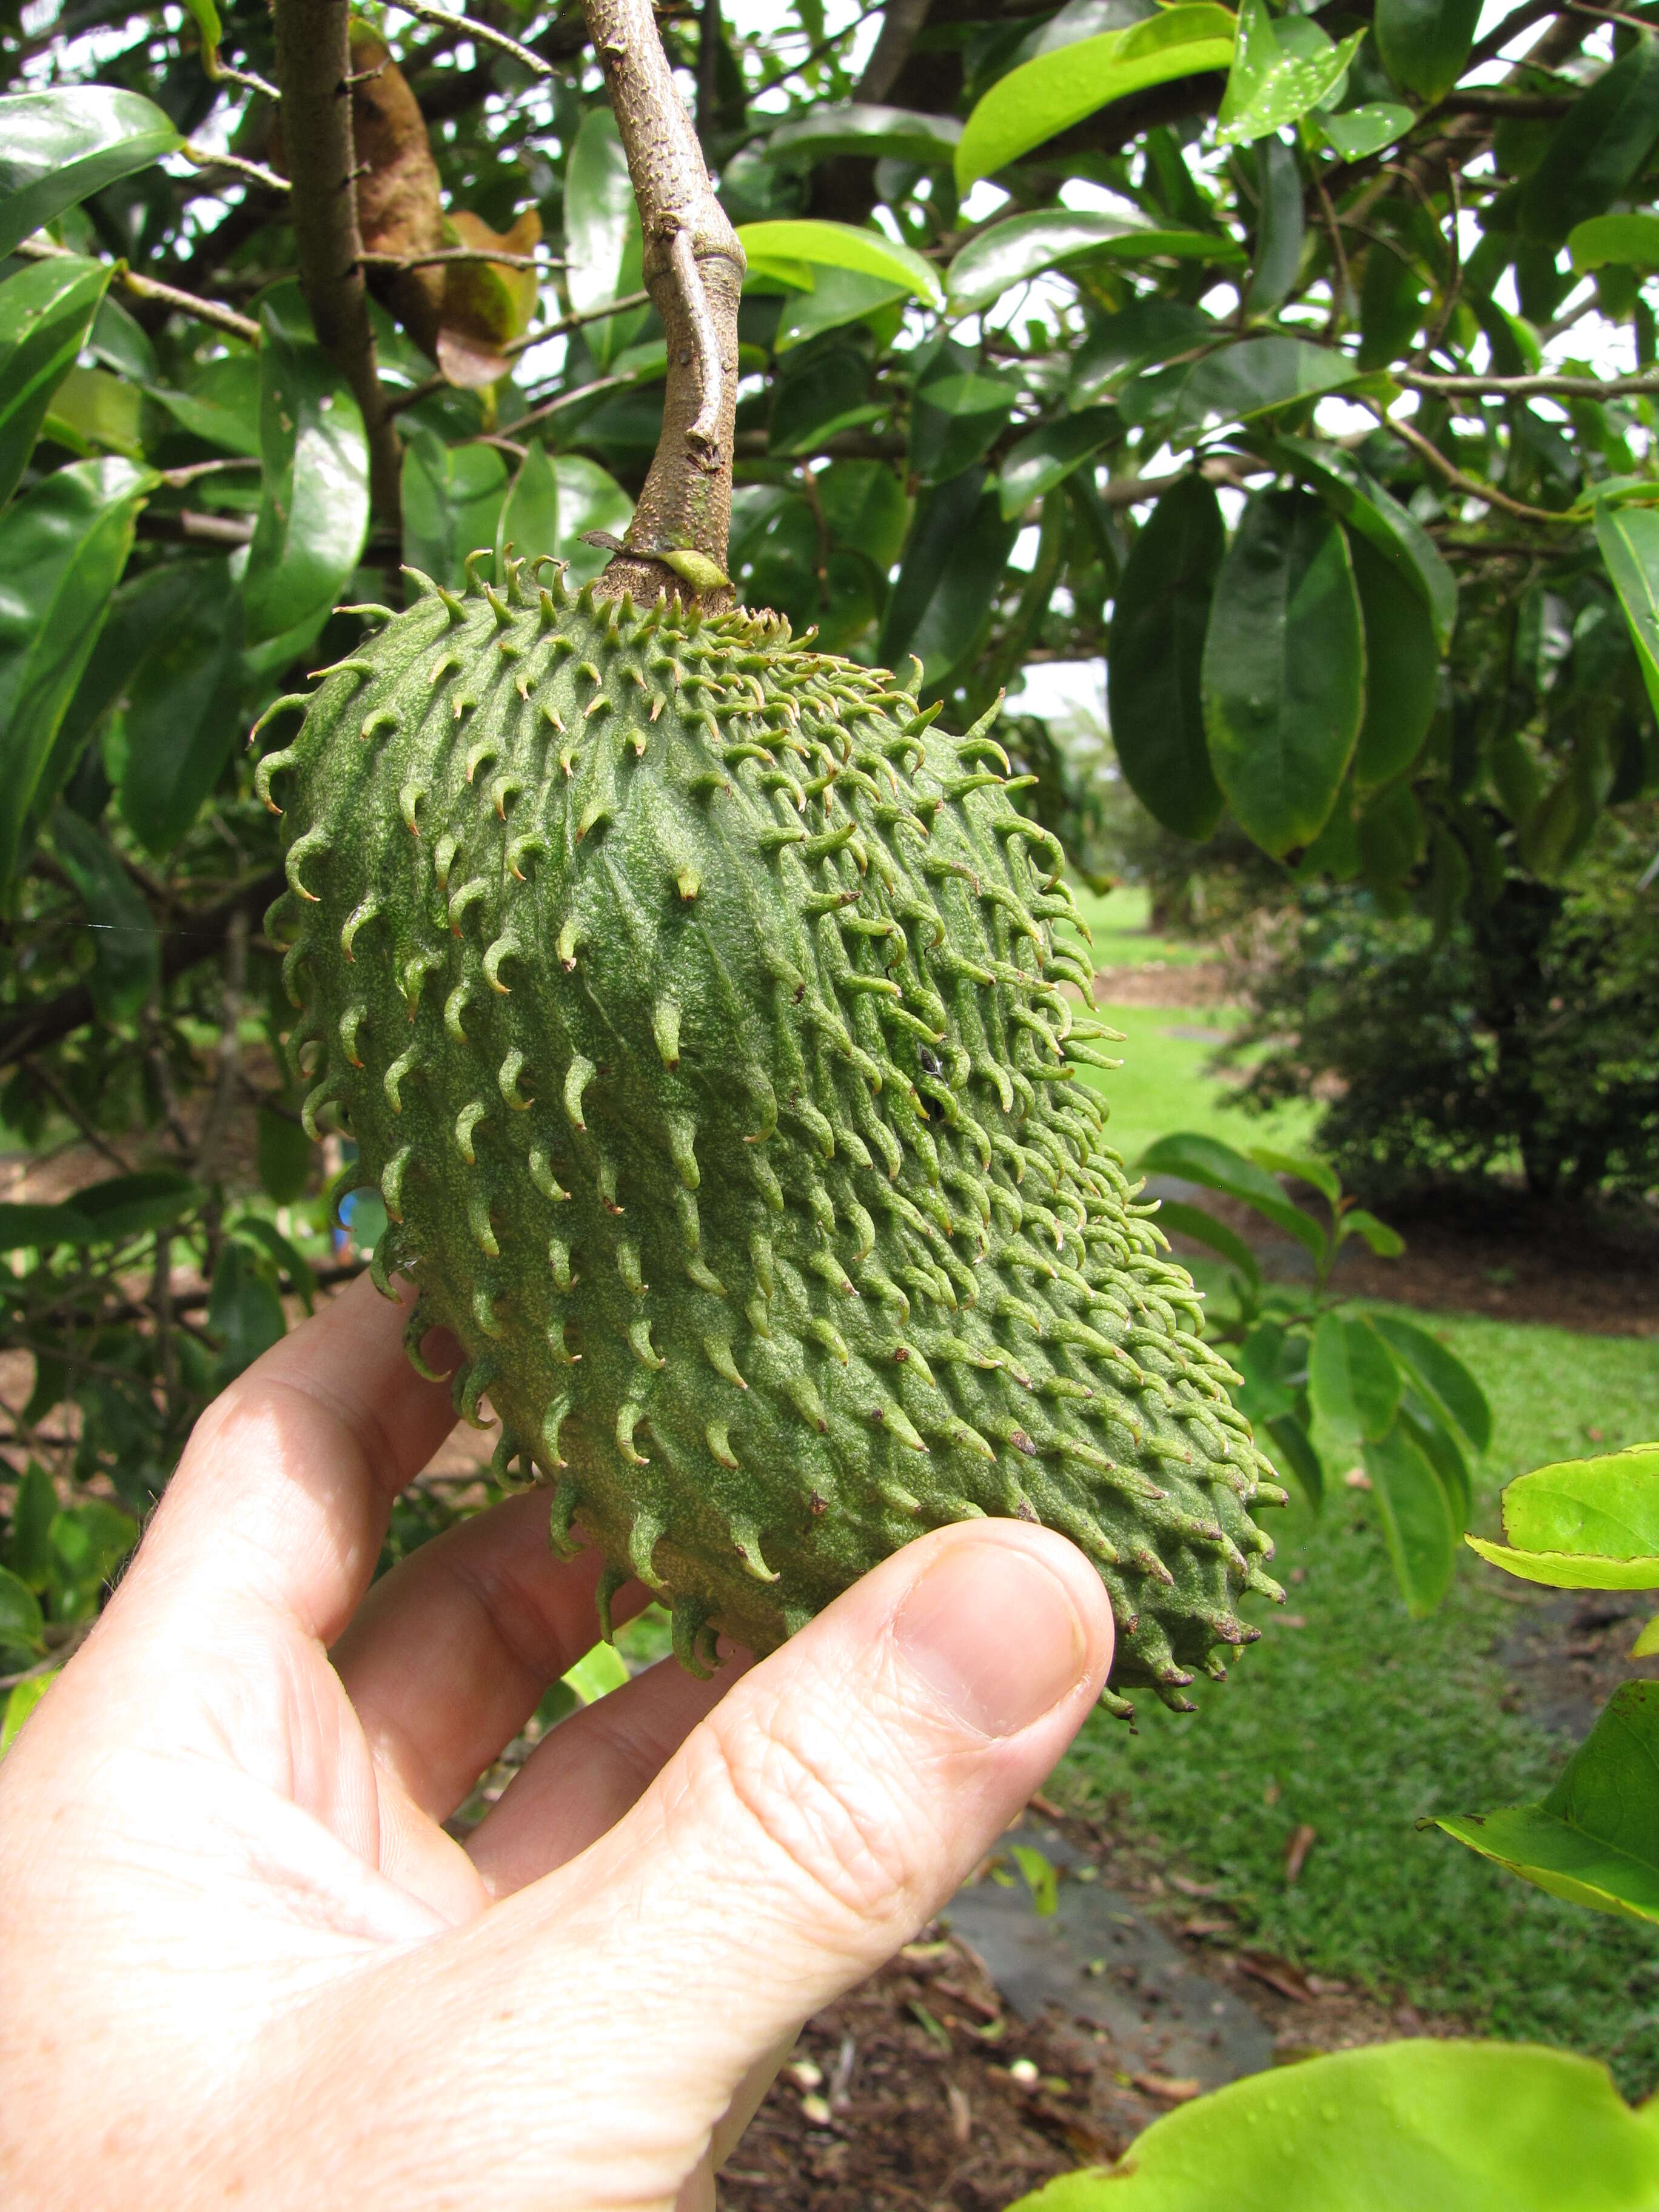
(697, 1006)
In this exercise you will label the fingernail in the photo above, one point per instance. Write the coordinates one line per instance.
(993, 1633)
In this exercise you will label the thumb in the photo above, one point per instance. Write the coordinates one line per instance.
(823, 1812)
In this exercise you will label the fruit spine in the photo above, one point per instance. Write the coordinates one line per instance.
(698, 1007)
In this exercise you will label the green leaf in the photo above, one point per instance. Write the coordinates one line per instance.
(221, 406)
(285, 1155)
(1267, 1361)
(1647, 1642)
(1295, 1449)
(126, 1207)
(1386, 1244)
(59, 147)
(1425, 43)
(1041, 1878)
(1629, 539)
(1594, 1838)
(20, 1703)
(1048, 456)
(22, 1628)
(1597, 149)
(953, 564)
(1158, 622)
(596, 1673)
(29, 1549)
(840, 296)
(1439, 1444)
(1568, 1569)
(1402, 666)
(1284, 670)
(90, 1540)
(1217, 1166)
(1353, 1381)
(1439, 1373)
(832, 393)
(1377, 516)
(1418, 1523)
(881, 134)
(46, 312)
(1608, 1508)
(126, 949)
(1231, 385)
(1423, 2126)
(205, 16)
(120, 343)
(63, 547)
(1145, 332)
(253, 1229)
(1304, 1165)
(244, 1312)
(529, 518)
(313, 504)
(1011, 252)
(452, 500)
(604, 249)
(589, 498)
(1180, 1220)
(1280, 70)
(1359, 132)
(864, 506)
(1390, 836)
(1048, 94)
(181, 715)
(843, 245)
(42, 1227)
(1278, 226)
(1630, 240)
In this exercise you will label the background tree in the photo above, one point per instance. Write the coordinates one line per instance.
(1303, 358)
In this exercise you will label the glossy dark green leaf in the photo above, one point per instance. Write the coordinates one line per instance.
(1281, 70)
(47, 312)
(1048, 456)
(42, 1227)
(1594, 1838)
(59, 148)
(956, 410)
(244, 1311)
(181, 720)
(1137, 336)
(888, 134)
(529, 518)
(830, 393)
(1292, 1449)
(1359, 132)
(121, 343)
(1375, 514)
(285, 1155)
(1279, 226)
(1284, 670)
(1391, 303)
(843, 245)
(1392, 835)
(452, 501)
(130, 1206)
(864, 507)
(1233, 385)
(1598, 148)
(1177, 1219)
(1048, 94)
(1419, 1526)
(1426, 43)
(1014, 251)
(1217, 1166)
(1629, 539)
(63, 547)
(1158, 623)
(941, 600)
(1423, 2126)
(1402, 665)
(221, 406)
(22, 1630)
(126, 949)
(838, 297)
(314, 506)
(602, 240)
(590, 498)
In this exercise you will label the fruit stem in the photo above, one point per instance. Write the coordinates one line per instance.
(693, 270)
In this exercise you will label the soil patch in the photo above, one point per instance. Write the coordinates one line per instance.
(1162, 983)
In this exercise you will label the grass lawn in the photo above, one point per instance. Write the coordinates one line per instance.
(1162, 1085)
(1360, 1721)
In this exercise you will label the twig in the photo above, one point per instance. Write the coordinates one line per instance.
(66, 1105)
(1522, 107)
(313, 65)
(569, 400)
(222, 73)
(398, 400)
(1342, 297)
(147, 288)
(1544, 386)
(1488, 494)
(200, 157)
(1449, 293)
(465, 26)
(217, 1119)
(447, 254)
(694, 268)
(177, 478)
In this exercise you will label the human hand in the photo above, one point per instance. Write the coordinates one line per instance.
(240, 1960)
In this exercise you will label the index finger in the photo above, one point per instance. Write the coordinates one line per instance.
(285, 1489)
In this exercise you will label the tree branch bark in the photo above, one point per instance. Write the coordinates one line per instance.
(694, 268)
(313, 66)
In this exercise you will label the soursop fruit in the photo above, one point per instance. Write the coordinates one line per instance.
(697, 1005)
